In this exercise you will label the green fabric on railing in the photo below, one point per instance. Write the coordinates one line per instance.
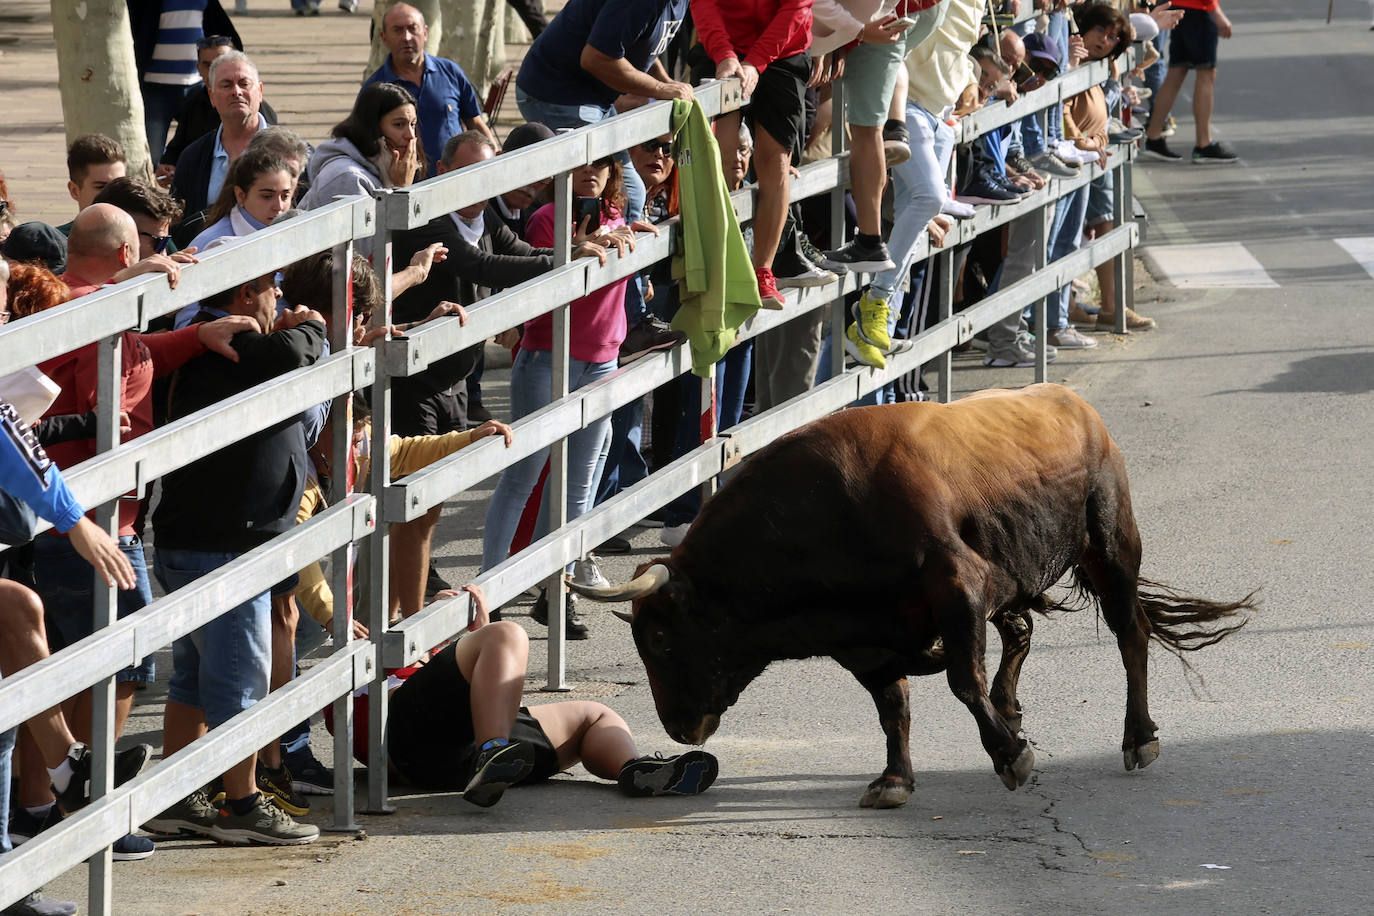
(717, 285)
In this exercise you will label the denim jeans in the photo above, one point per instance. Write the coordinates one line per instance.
(531, 380)
(1066, 234)
(66, 584)
(6, 751)
(732, 378)
(557, 116)
(1059, 33)
(225, 666)
(918, 188)
(161, 102)
(625, 465)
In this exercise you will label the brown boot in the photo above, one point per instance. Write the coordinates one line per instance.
(1106, 321)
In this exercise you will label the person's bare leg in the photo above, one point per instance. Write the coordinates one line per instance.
(867, 175)
(181, 724)
(493, 661)
(285, 616)
(35, 785)
(590, 733)
(1164, 101)
(771, 162)
(726, 128)
(410, 550)
(1106, 273)
(24, 642)
(896, 110)
(1204, 94)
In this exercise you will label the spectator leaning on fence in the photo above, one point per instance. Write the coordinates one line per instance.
(446, 102)
(211, 512)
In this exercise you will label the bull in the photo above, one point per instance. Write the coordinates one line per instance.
(886, 538)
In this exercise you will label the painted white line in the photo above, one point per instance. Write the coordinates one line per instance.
(1362, 250)
(1222, 265)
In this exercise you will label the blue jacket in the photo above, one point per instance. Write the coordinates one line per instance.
(28, 475)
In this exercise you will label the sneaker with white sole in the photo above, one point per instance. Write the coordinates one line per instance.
(1070, 338)
(587, 573)
(308, 775)
(1158, 149)
(131, 847)
(871, 319)
(685, 774)
(35, 904)
(896, 142)
(264, 824)
(861, 256)
(1020, 355)
(192, 815)
(815, 256)
(1052, 166)
(769, 297)
(862, 350)
(957, 208)
(1214, 153)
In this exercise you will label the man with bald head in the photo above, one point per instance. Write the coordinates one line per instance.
(236, 93)
(103, 248)
(446, 103)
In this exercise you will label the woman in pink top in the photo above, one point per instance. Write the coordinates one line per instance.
(596, 329)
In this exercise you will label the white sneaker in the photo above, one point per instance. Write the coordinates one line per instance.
(957, 208)
(1067, 150)
(587, 574)
(1070, 338)
(672, 535)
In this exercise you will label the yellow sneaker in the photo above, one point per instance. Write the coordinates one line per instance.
(872, 322)
(862, 350)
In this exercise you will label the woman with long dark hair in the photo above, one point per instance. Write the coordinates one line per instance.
(376, 146)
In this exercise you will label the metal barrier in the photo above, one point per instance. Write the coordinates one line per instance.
(354, 518)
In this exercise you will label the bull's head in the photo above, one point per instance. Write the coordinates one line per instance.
(695, 669)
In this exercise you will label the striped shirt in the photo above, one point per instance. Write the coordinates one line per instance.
(174, 56)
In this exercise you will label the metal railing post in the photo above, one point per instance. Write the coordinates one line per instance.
(944, 302)
(839, 146)
(1039, 306)
(556, 484)
(1123, 267)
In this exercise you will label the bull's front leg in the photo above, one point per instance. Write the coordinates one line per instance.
(894, 787)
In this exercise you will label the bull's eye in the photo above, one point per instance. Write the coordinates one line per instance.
(656, 641)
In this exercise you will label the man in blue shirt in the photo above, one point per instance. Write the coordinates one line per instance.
(446, 102)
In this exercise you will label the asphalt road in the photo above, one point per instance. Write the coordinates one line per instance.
(1245, 421)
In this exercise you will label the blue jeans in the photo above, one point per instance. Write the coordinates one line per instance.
(556, 116)
(6, 750)
(161, 102)
(1066, 234)
(225, 666)
(1058, 32)
(732, 378)
(66, 584)
(918, 188)
(531, 383)
(625, 465)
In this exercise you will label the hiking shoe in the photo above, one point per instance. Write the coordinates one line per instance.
(127, 764)
(896, 142)
(275, 786)
(1070, 338)
(686, 774)
(1020, 163)
(308, 775)
(35, 904)
(872, 321)
(860, 256)
(1052, 166)
(573, 625)
(496, 770)
(652, 333)
(861, 349)
(1020, 355)
(131, 847)
(815, 255)
(587, 573)
(25, 826)
(1158, 149)
(1134, 322)
(769, 297)
(1214, 153)
(265, 824)
(192, 815)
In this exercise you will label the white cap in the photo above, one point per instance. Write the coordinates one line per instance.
(1145, 26)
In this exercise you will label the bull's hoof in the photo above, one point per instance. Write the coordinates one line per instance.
(1142, 756)
(884, 794)
(1015, 776)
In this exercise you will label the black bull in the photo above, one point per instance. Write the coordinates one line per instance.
(886, 538)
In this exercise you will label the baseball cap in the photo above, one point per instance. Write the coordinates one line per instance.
(1042, 46)
(37, 242)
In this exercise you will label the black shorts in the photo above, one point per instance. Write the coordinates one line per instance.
(1193, 45)
(419, 411)
(429, 730)
(779, 101)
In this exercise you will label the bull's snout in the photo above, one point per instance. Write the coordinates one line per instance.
(697, 732)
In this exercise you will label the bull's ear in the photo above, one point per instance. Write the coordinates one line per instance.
(646, 583)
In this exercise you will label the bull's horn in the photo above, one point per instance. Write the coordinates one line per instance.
(625, 616)
(646, 583)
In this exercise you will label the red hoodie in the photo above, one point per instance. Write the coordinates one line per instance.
(758, 32)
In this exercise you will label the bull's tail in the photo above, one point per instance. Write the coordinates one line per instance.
(1182, 623)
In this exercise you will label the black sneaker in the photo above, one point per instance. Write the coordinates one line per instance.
(815, 255)
(573, 625)
(686, 774)
(614, 546)
(652, 333)
(896, 142)
(127, 765)
(25, 826)
(858, 256)
(131, 847)
(35, 904)
(799, 272)
(496, 770)
(983, 190)
(1215, 153)
(434, 583)
(308, 775)
(1158, 149)
(276, 787)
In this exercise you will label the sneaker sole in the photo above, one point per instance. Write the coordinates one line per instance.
(489, 784)
(1159, 157)
(131, 856)
(246, 836)
(852, 350)
(310, 788)
(176, 828)
(863, 267)
(988, 200)
(1208, 160)
(771, 303)
(690, 774)
(805, 282)
(884, 348)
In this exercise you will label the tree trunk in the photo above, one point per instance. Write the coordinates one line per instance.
(434, 18)
(97, 76)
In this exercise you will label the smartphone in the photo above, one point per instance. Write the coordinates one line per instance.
(905, 22)
(584, 207)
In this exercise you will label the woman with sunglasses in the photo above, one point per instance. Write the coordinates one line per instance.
(596, 330)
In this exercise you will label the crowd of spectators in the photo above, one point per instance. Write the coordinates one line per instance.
(910, 70)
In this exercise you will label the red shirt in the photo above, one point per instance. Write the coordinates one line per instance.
(143, 357)
(758, 32)
(1205, 5)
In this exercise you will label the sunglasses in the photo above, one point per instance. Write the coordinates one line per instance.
(159, 241)
(658, 146)
(214, 41)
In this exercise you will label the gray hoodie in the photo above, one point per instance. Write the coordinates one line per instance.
(337, 169)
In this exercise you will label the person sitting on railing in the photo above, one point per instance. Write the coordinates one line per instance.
(213, 511)
(455, 723)
(596, 329)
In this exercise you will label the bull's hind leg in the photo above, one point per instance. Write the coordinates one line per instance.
(1111, 567)
(1015, 629)
(964, 629)
(888, 688)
